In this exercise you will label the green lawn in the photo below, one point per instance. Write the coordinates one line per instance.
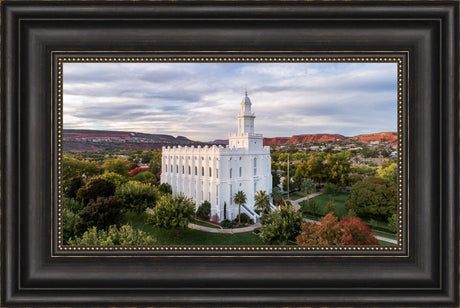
(295, 195)
(204, 224)
(322, 200)
(196, 237)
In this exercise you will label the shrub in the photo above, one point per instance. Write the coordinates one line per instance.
(244, 218)
(330, 208)
(101, 213)
(226, 224)
(143, 176)
(204, 210)
(331, 189)
(393, 223)
(125, 235)
(69, 220)
(215, 218)
(74, 184)
(172, 213)
(72, 205)
(95, 188)
(312, 207)
(113, 177)
(281, 226)
(137, 196)
(165, 188)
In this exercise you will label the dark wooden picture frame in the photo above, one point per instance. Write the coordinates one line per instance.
(34, 273)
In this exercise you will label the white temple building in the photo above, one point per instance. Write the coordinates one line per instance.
(217, 173)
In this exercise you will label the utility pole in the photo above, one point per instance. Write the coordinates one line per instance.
(288, 178)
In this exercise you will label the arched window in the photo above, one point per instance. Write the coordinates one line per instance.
(210, 172)
(240, 172)
(189, 170)
(183, 169)
(230, 172)
(177, 168)
(171, 168)
(166, 167)
(202, 171)
(196, 170)
(255, 166)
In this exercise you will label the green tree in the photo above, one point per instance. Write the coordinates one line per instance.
(125, 235)
(276, 179)
(331, 189)
(95, 188)
(204, 210)
(330, 208)
(240, 199)
(308, 186)
(101, 213)
(113, 177)
(118, 165)
(389, 172)
(312, 207)
(315, 167)
(70, 219)
(373, 197)
(143, 176)
(74, 184)
(338, 168)
(277, 196)
(172, 213)
(138, 196)
(393, 223)
(281, 226)
(262, 202)
(73, 167)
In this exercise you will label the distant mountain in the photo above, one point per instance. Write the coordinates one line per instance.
(390, 137)
(77, 140)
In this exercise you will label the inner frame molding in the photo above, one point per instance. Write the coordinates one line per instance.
(333, 57)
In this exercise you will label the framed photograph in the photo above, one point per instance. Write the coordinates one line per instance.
(229, 153)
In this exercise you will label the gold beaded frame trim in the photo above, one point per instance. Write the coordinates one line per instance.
(401, 59)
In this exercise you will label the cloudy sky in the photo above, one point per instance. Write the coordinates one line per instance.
(201, 100)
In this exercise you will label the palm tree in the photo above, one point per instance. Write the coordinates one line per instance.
(277, 195)
(262, 201)
(239, 198)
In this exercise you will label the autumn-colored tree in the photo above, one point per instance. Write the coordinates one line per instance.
(118, 165)
(137, 170)
(329, 231)
(330, 208)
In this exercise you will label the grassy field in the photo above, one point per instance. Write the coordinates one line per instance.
(196, 237)
(322, 200)
(295, 195)
(204, 224)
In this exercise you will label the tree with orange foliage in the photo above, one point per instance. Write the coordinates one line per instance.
(349, 231)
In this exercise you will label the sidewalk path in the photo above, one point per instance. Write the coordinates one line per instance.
(214, 230)
(296, 203)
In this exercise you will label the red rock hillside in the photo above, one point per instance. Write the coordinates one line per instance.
(304, 139)
(390, 137)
